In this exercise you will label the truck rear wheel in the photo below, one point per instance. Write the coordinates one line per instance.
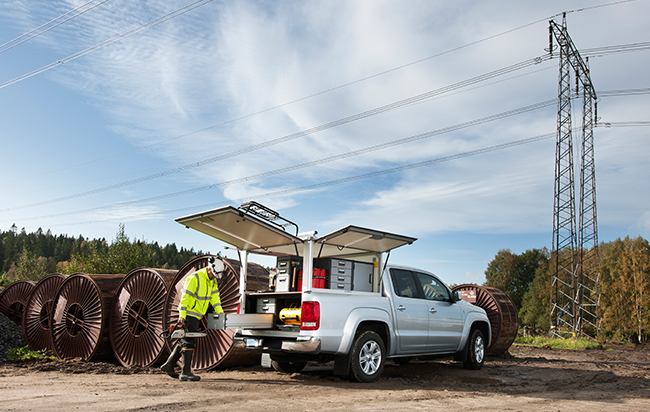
(367, 357)
(475, 351)
(288, 367)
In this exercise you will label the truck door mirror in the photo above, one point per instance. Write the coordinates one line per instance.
(456, 297)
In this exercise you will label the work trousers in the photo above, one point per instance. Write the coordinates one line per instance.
(192, 325)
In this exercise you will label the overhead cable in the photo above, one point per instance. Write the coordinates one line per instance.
(110, 41)
(337, 87)
(348, 179)
(340, 156)
(306, 132)
(23, 37)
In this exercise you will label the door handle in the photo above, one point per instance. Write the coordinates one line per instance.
(433, 310)
(400, 307)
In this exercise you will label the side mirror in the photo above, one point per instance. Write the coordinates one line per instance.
(456, 296)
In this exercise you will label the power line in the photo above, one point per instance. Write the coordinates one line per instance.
(331, 89)
(345, 179)
(306, 132)
(329, 159)
(49, 28)
(108, 42)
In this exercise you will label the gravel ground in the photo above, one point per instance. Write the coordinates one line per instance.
(11, 336)
(527, 379)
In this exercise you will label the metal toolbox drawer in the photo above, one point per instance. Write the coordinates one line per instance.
(265, 305)
(340, 285)
(340, 271)
(341, 264)
(243, 321)
(282, 283)
(345, 278)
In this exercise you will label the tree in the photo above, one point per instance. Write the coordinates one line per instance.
(535, 308)
(30, 266)
(513, 273)
(625, 307)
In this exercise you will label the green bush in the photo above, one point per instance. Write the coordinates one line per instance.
(26, 353)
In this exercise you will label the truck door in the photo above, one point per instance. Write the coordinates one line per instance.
(445, 317)
(411, 313)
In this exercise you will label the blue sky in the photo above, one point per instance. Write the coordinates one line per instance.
(175, 119)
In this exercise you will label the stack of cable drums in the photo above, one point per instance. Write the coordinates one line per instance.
(38, 313)
(216, 350)
(80, 316)
(501, 312)
(136, 318)
(14, 299)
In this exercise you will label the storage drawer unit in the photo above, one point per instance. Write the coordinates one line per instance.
(265, 305)
(287, 277)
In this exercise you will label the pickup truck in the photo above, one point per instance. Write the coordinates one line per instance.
(336, 298)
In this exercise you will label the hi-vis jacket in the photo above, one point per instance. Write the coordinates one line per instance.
(199, 291)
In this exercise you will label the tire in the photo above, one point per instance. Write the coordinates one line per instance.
(475, 351)
(288, 367)
(402, 361)
(367, 358)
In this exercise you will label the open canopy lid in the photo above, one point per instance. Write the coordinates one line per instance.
(240, 229)
(353, 240)
(248, 232)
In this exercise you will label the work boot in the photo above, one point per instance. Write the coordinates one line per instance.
(168, 367)
(186, 373)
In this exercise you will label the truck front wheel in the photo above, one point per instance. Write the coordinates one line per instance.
(367, 357)
(475, 351)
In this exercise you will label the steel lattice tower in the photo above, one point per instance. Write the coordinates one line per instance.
(575, 293)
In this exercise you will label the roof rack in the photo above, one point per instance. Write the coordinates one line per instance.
(270, 215)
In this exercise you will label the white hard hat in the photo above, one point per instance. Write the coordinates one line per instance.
(216, 264)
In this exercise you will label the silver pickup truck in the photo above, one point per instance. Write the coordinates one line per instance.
(336, 298)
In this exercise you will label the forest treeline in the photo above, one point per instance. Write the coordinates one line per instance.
(525, 277)
(624, 286)
(31, 256)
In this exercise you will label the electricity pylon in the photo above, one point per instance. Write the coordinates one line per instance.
(575, 291)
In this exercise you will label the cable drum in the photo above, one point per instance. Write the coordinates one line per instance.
(38, 312)
(136, 317)
(14, 299)
(80, 316)
(216, 350)
(501, 312)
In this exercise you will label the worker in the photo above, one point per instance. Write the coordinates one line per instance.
(200, 290)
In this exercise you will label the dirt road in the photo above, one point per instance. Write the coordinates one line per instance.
(527, 379)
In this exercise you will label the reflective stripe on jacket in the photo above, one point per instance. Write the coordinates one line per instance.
(198, 293)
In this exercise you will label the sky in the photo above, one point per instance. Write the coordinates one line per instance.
(421, 118)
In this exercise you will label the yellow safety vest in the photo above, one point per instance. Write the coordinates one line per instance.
(199, 291)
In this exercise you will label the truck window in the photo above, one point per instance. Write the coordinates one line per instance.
(433, 289)
(404, 283)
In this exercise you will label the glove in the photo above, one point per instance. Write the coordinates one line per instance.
(180, 323)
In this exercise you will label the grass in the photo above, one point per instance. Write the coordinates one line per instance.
(557, 343)
(26, 353)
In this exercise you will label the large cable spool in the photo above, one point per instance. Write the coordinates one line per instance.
(216, 350)
(14, 299)
(38, 312)
(80, 316)
(136, 317)
(500, 310)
